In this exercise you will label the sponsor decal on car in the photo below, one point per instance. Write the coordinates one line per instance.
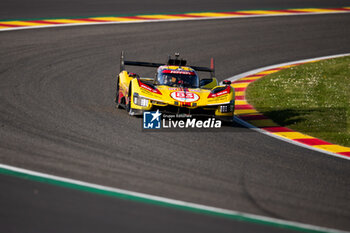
(148, 88)
(184, 96)
(178, 72)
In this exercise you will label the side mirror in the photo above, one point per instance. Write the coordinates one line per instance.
(208, 83)
(204, 82)
(226, 82)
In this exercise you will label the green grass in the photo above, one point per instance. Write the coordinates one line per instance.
(311, 98)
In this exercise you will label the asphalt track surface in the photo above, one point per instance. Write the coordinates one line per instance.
(57, 116)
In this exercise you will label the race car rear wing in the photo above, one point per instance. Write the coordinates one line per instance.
(171, 61)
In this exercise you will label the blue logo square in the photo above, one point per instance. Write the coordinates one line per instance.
(151, 120)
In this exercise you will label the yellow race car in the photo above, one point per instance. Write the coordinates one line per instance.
(176, 88)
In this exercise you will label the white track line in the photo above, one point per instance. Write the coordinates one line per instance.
(301, 226)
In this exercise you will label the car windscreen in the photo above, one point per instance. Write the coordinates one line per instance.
(178, 79)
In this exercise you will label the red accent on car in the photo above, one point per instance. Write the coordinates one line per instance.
(120, 96)
(220, 93)
(226, 82)
(148, 88)
(186, 104)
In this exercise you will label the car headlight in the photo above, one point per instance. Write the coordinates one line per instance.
(227, 107)
(138, 100)
(144, 102)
